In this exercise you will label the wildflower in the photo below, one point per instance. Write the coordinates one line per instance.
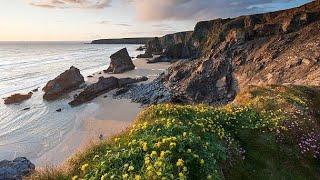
(145, 146)
(180, 163)
(172, 145)
(104, 177)
(159, 173)
(189, 150)
(125, 176)
(75, 177)
(131, 168)
(137, 177)
(185, 169)
(184, 134)
(147, 160)
(154, 154)
(84, 167)
(202, 162)
(181, 175)
(116, 139)
(209, 177)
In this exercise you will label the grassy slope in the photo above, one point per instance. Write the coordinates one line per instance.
(267, 133)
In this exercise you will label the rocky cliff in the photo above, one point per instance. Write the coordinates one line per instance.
(227, 54)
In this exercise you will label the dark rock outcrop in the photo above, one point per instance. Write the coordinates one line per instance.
(141, 48)
(120, 62)
(16, 169)
(172, 45)
(224, 55)
(145, 55)
(17, 98)
(104, 85)
(64, 83)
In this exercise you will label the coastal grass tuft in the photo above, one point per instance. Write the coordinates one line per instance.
(268, 132)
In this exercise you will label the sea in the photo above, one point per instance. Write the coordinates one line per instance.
(25, 66)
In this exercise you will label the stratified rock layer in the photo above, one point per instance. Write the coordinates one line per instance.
(225, 55)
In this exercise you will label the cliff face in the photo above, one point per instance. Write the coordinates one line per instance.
(228, 54)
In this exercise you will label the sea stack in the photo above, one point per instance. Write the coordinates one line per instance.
(64, 83)
(120, 62)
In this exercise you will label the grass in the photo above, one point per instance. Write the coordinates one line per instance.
(268, 132)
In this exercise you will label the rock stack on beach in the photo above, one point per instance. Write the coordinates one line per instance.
(64, 83)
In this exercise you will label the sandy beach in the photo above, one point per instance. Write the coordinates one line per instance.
(104, 115)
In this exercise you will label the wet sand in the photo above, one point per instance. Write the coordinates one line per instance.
(104, 115)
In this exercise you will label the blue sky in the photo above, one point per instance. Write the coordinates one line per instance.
(84, 20)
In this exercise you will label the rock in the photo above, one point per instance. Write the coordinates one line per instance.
(36, 90)
(120, 62)
(121, 91)
(90, 76)
(17, 98)
(103, 86)
(64, 83)
(141, 48)
(158, 59)
(25, 109)
(145, 55)
(59, 110)
(16, 169)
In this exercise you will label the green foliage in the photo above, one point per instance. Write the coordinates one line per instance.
(260, 136)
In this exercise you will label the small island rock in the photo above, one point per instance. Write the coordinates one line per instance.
(120, 62)
(17, 98)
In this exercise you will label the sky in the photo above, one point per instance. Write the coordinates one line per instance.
(85, 20)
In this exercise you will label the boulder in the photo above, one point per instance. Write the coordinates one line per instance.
(145, 55)
(141, 48)
(17, 98)
(16, 169)
(64, 83)
(103, 86)
(120, 62)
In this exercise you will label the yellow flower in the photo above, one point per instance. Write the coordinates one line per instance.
(145, 146)
(125, 176)
(147, 160)
(180, 163)
(172, 145)
(104, 177)
(202, 162)
(74, 177)
(181, 174)
(131, 168)
(84, 167)
(154, 154)
(184, 134)
(137, 177)
(185, 169)
(162, 154)
(189, 150)
(159, 173)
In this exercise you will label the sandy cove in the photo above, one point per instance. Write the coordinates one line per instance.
(104, 115)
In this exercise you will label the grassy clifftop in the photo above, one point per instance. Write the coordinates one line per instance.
(269, 132)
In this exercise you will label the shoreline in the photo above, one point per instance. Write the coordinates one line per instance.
(103, 115)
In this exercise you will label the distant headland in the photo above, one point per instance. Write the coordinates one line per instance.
(141, 40)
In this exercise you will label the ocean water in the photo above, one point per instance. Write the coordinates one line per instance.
(28, 65)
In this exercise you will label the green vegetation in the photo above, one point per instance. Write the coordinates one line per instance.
(267, 133)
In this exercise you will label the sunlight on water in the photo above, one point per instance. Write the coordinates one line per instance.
(25, 67)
